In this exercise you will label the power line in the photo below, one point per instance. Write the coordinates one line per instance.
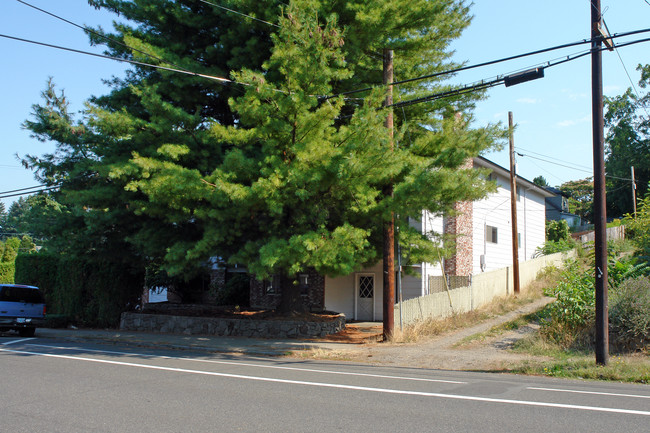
(23, 189)
(238, 13)
(571, 167)
(89, 30)
(493, 62)
(118, 59)
(30, 192)
(550, 157)
(618, 53)
(500, 79)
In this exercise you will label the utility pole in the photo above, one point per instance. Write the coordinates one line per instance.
(633, 192)
(389, 226)
(513, 207)
(600, 216)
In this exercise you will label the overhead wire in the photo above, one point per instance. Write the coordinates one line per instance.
(30, 192)
(178, 69)
(618, 53)
(550, 157)
(493, 62)
(103, 36)
(238, 13)
(571, 167)
(119, 59)
(24, 189)
(501, 79)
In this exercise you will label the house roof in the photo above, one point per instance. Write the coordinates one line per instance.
(521, 182)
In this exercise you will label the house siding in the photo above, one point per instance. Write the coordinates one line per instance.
(495, 212)
(341, 293)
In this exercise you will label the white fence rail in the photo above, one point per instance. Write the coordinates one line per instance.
(482, 289)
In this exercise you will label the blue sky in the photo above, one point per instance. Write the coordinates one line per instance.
(553, 114)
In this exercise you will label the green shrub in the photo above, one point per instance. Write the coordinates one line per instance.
(551, 247)
(569, 320)
(11, 247)
(629, 314)
(236, 291)
(7, 272)
(620, 270)
(87, 292)
(39, 270)
(557, 231)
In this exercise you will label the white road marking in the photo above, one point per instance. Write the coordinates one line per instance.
(17, 341)
(611, 394)
(244, 364)
(339, 386)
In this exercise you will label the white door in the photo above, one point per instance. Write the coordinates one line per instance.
(365, 297)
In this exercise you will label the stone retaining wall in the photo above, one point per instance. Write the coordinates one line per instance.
(229, 327)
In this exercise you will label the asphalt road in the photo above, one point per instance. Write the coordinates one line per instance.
(52, 386)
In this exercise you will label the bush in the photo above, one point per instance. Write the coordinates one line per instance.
(236, 291)
(557, 231)
(7, 272)
(629, 315)
(552, 247)
(569, 320)
(88, 292)
(39, 270)
(619, 271)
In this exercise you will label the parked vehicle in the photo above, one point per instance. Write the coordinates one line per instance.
(22, 309)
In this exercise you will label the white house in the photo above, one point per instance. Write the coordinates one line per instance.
(484, 243)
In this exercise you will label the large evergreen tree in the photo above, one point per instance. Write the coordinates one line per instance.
(277, 179)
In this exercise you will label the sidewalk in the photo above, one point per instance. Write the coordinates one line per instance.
(243, 345)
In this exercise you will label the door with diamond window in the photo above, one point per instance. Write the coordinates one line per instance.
(365, 297)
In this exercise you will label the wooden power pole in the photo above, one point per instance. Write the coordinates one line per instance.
(600, 216)
(389, 226)
(513, 208)
(633, 192)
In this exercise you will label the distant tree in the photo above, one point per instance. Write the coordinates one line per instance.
(27, 245)
(557, 231)
(11, 247)
(14, 220)
(627, 145)
(3, 218)
(540, 181)
(581, 197)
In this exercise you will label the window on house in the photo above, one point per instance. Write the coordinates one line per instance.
(565, 204)
(303, 282)
(272, 285)
(491, 234)
(518, 240)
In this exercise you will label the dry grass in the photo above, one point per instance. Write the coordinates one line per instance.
(498, 307)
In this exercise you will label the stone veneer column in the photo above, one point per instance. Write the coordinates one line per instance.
(461, 225)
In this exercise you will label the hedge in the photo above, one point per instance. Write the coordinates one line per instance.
(89, 292)
(7, 271)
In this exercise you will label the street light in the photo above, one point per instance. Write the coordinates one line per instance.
(522, 77)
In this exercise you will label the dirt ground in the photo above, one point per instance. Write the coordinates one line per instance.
(442, 351)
